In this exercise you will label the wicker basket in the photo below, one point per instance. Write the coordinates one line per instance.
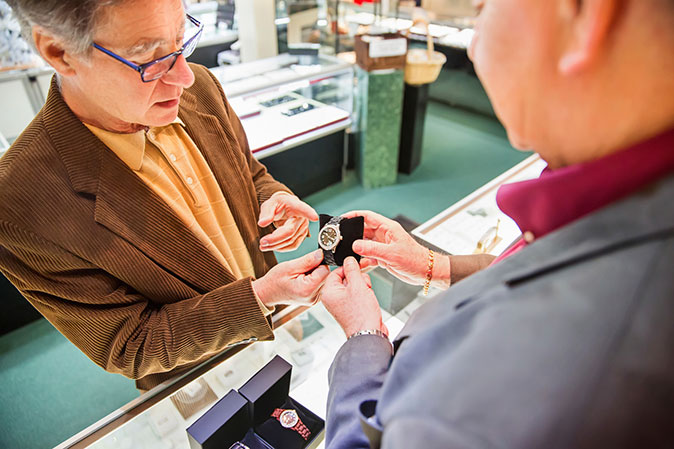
(423, 66)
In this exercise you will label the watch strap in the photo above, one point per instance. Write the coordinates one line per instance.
(376, 332)
(329, 257)
(302, 430)
(335, 220)
(368, 332)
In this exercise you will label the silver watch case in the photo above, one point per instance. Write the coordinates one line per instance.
(337, 240)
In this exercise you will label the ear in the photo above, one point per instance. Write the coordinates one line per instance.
(590, 23)
(52, 51)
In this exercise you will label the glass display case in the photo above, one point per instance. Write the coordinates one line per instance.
(320, 77)
(220, 29)
(23, 93)
(334, 23)
(288, 100)
(307, 338)
(296, 110)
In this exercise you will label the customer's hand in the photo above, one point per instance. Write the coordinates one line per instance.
(293, 282)
(389, 246)
(348, 296)
(291, 217)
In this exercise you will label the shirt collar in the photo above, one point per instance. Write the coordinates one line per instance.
(558, 197)
(129, 148)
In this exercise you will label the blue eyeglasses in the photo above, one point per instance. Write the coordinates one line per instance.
(154, 70)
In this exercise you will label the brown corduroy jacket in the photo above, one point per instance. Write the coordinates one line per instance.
(109, 264)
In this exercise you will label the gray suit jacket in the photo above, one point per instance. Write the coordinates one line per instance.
(567, 344)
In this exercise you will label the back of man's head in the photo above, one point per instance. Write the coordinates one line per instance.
(577, 79)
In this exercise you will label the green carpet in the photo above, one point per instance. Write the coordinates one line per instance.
(51, 391)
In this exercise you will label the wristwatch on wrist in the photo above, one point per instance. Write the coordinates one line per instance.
(290, 420)
(328, 239)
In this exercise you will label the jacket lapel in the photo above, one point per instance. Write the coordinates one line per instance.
(215, 140)
(645, 215)
(125, 205)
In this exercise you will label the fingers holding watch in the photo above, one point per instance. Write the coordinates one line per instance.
(376, 225)
(349, 298)
(293, 282)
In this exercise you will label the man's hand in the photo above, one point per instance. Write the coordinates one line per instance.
(293, 282)
(388, 245)
(348, 296)
(291, 217)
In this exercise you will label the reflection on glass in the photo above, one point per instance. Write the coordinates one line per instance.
(489, 240)
(309, 341)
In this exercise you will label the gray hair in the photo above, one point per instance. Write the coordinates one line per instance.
(73, 21)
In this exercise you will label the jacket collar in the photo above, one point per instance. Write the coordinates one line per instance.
(130, 148)
(558, 197)
(124, 204)
(80, 150)
(643, 216)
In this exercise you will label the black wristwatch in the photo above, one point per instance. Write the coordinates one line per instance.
(328, 239)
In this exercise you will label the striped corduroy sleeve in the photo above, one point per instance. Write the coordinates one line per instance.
(117, 327)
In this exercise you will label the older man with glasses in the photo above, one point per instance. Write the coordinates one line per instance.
(132, 213)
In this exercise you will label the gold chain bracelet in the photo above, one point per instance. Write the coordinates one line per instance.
(429, 271)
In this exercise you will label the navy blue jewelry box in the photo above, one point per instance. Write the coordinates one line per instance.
(247, 414)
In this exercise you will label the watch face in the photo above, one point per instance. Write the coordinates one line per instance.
(289, 419)
(328, 237)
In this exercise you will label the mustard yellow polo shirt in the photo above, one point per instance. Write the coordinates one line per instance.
(168, 161)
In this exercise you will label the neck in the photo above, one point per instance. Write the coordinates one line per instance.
(91, 114)
(615, 126)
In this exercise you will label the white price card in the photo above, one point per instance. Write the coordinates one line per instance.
(382, 48)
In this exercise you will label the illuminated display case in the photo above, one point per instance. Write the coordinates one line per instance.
(296, 110)
(307, 339)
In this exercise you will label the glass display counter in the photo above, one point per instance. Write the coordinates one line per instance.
(324, 78)
(23, 93)
(476, 224)
(289, 100)
(296, 110)
(308, 339)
